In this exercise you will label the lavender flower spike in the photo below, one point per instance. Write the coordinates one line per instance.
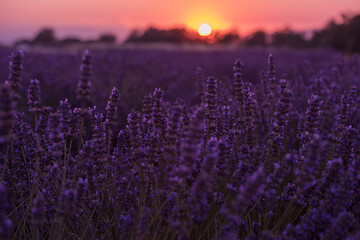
(15, 68)
(34, 96)
(238, 80)
(112, 108)
(6, 114)
(84, 85)
(247, 193)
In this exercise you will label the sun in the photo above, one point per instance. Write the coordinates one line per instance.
(204, 29)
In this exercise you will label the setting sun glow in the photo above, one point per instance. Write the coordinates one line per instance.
(204, 29)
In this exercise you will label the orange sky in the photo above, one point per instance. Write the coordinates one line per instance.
(20, 18)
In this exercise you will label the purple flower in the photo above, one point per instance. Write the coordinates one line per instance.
(34, 96)
(200, 189)
(38, 210)
(248, 192)
(211, 105)
(5, 223)
(190, 151)
(15, 69)
(83, 90)
(67, 201)
(200, 91)
(112, 108)
(238, 80)
(6, 115)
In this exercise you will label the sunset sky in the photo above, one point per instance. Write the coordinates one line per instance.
(88, 18)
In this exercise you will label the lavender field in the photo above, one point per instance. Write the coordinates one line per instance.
(179, 144)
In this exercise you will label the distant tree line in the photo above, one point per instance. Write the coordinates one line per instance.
(46, 37)
(179, 35)
(344, 36)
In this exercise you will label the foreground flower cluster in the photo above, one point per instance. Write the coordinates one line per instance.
(275, 161)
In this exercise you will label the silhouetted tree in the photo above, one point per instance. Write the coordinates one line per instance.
(288, 38)
(343, 36)
(107, 38)
(258, 38)
(45, 36)
(230, 37)
(175, 35)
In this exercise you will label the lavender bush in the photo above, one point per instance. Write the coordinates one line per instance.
(273, 158)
